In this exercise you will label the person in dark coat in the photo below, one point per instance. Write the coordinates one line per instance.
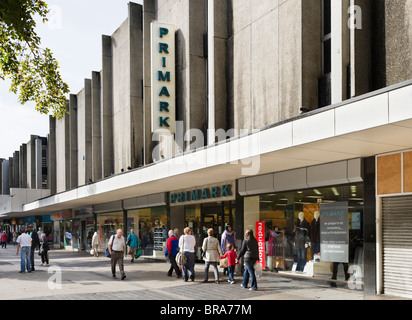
(250, 253)
(171, 253)
(35, 243)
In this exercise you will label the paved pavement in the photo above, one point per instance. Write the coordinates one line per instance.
(83, 277)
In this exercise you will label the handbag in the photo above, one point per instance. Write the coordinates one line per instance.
(181, 259)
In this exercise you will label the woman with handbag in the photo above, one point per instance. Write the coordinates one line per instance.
(211, 254)
(187, 244)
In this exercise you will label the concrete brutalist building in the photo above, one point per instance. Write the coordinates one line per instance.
(318, 91)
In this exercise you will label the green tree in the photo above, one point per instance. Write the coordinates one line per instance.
(33, 71)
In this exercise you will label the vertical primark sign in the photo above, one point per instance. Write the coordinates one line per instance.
(163, 78)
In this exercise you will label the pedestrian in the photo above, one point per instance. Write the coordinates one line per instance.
(187, 244)
(4, 238)
(231, 262)
(40, 232)
(24, 242)
(228, 236)
(172, 245)
(44, 249)
(116, 248)
(250, 252)
(15, 235)
(95, 244)
(34, 244)
(133, 243)
(211, 255)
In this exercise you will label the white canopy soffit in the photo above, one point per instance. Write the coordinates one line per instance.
(368, 125)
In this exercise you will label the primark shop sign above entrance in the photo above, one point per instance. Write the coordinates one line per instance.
(221, 192)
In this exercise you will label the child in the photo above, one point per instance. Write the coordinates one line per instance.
(231, 262)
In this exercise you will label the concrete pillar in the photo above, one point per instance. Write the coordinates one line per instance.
(51, 170)
(107, 106)
(97, 173)
(340, 50)
(136, 85)
(38, 146)
(73, 141)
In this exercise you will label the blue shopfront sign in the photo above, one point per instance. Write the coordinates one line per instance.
(30, 219)
(220, 192)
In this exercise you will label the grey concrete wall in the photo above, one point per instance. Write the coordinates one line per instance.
(265, 48)
(398, 41)
(127, 60)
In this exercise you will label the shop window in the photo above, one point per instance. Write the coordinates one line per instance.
(150, 226)
(280, 212)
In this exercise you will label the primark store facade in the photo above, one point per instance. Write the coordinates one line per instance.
(273, 116)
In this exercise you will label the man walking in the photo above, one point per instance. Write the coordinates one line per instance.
(116, 248)
(35, 243)
(24, 242)
(171, 252)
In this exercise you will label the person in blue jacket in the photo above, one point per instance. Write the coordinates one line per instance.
(171, 252)
(133, 243)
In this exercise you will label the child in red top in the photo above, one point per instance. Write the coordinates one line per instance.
(231, 262)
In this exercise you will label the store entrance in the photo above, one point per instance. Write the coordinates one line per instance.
(212, 217)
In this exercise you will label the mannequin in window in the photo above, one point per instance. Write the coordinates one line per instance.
(315, 233)
(301, 232)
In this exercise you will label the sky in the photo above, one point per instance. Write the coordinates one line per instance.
(73, 33)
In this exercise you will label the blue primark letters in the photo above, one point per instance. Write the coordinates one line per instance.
(202, 194)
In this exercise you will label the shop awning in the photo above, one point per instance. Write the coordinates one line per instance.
(375, 123)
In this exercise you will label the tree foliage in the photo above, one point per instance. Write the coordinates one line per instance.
(33, 71)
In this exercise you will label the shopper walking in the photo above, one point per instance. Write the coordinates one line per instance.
(44, 249)
(15, 235)
(231, 262)
(172, 245)
(4, 238)
(133, 243)
(187, 244)
(24, 243)
(228, 236)
(34, 244)
(95, 244)
(211, 255)
(250, 252)
(116, 248)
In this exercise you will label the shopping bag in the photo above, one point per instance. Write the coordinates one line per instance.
(223, 263)
(92, 252)
(258, 270)
(138, 253)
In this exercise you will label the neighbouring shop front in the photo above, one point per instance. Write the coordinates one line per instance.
(62, 229)
(394, 221)
(310, 220)
(147, 216)
(204, 207)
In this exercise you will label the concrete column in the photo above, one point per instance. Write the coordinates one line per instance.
(51, 170)
(73, 141)
(136, 85)
(97, 173)
(38, 146)
(340, 50)
(107, 106)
